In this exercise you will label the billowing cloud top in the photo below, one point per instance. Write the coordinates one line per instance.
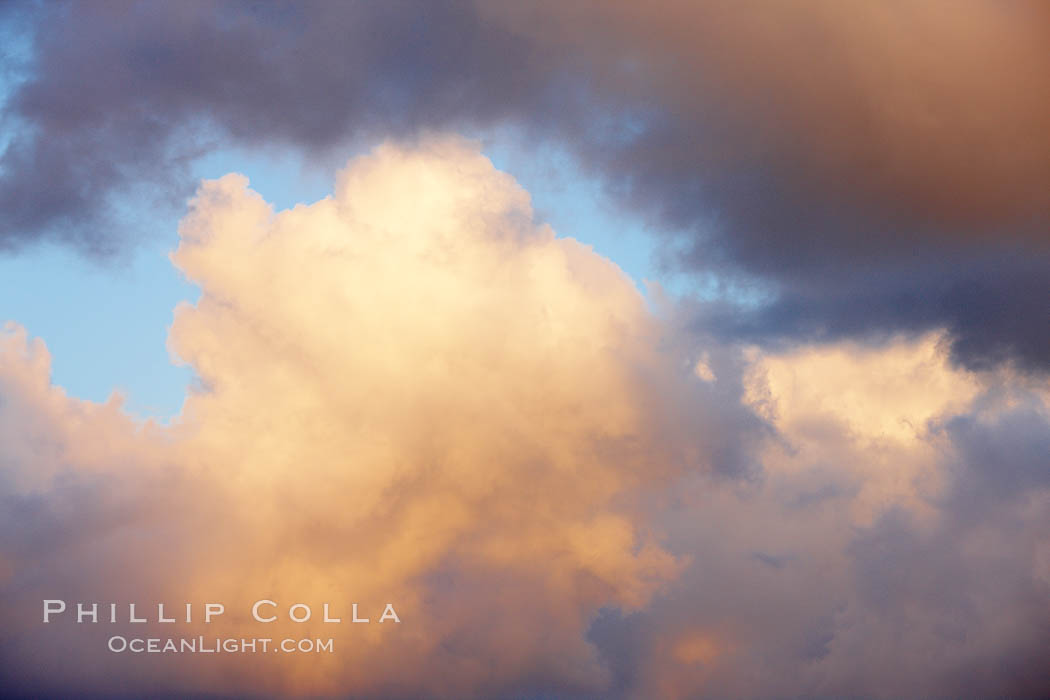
(411, 392)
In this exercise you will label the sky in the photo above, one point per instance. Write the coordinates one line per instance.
(676, 350)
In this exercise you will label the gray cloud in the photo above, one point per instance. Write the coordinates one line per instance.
(882, 167)
(905, 607)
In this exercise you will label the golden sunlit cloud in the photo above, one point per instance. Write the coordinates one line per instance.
(414, 397)
(448, 412)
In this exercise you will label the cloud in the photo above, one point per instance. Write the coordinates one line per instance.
(874, 169)
(455, 411)
(892, 549)
(411, 392)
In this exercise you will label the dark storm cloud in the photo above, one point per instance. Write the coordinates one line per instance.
(995, 306)
(875, 166)
(120, 95)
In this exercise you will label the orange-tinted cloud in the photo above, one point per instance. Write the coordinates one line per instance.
(411, 392)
